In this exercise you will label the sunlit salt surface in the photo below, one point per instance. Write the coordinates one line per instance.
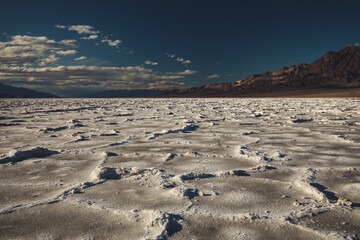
(179, 168)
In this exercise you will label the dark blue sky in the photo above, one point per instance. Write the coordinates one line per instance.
(164, 44)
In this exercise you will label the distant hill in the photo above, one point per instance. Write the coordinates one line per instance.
(126, 93)
(7, 91)
(333, 74)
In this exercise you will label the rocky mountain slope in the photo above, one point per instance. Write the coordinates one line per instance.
(333, 72)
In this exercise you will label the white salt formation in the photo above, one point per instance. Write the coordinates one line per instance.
(179, 169)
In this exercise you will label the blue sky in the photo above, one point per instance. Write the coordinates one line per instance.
(75, 47)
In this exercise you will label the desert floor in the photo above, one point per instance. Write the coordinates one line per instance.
(180, 168)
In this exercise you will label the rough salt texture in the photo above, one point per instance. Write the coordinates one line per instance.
(180, 169)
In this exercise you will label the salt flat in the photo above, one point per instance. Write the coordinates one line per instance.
(180, 169)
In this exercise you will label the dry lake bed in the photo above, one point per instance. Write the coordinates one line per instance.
(180, 168)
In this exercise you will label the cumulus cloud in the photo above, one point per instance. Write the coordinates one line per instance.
(80, 29)
(66, 52)
(213, 76)
(41, 42)
(85, 76)
(112, 43)
(30, 50)
(61, 26)
(178, 59)
(83, 29)
(48, 60)
(186, 72)
(20, 55)
(151, 63)
(183, 61)
(91, 37)
(164, 85)
(80, 58)
(170, 55)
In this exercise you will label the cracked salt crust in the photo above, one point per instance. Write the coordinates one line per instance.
(179, 168)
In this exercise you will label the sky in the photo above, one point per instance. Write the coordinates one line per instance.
(73, 48)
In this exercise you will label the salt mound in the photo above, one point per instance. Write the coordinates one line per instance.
(196, 175)
(159, 224)
(120, 172)
(17, 155)
(306, 187)
(232, 173)
(110, 173)
(344, 202)
(185, 193)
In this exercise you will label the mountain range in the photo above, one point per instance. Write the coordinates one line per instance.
(333, 74)
(136, 93)
(7, 91)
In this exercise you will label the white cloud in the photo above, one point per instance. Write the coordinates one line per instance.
(165, 85)
(87, 76)
(178, 59)
(30, 50)
(66, 52)
(213, 76)
(93, 34)
(80, 29)
(183, 61)
(186, 72)
(112, 43)
(60, 26)
(91, 37)
(80, 58)
(170, 55)
(49, 60)
(41, 42)
(19, 55)
(151, 63)
(83, 29)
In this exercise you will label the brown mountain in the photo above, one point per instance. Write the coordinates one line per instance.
(333, 74)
